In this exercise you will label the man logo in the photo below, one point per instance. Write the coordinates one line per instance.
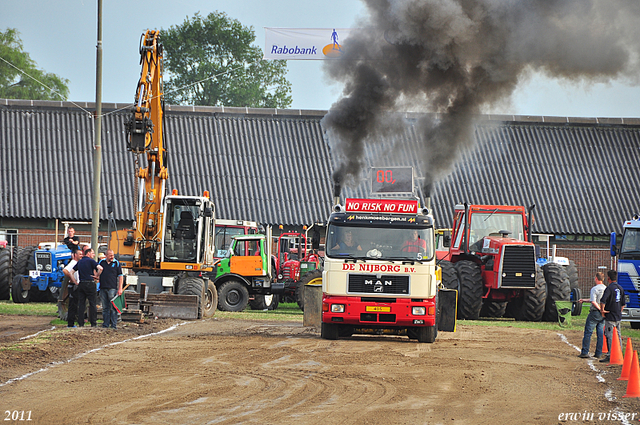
(333, 50)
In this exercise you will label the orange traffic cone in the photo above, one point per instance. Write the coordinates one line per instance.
(628, 358)
(605, 349)
(616, 351)
(633, 386)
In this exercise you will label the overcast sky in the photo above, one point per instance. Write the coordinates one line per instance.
(61, 38)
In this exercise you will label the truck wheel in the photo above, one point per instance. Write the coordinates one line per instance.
(425, 334)
(558, 289)
(329, 331)
(533, 300)
(572, 274)
(233, 296)
(470, 296)
(635, 325)
(312, 278)
(5, 273)
(192, 286)
(19, 295)
(493, 308)
(210, 300)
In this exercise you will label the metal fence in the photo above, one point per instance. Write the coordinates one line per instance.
(588, 261)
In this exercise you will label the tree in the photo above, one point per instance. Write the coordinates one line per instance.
(36, 84)
(211, 61)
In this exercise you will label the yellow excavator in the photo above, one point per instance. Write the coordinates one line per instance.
(169, 250)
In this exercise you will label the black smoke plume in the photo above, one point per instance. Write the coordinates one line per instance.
(454, 58)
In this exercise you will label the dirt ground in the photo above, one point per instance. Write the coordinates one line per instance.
(238, 371)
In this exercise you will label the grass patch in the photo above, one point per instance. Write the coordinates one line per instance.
(28, 309)
(286, 312)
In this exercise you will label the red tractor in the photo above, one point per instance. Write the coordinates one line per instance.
(298, 265)
(492, 263)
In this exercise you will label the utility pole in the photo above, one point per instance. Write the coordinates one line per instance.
(97, 153)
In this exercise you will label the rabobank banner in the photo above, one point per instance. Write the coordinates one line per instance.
(304, 43)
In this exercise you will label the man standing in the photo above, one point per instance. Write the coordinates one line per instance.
(594, 320)
(611, 306)
(88, 271)
(72, 281)
(72, 241)
(110, 284)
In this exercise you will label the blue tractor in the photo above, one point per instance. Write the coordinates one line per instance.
(37, 273)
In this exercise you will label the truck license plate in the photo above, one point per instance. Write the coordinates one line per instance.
(34, 274)
(377, 308)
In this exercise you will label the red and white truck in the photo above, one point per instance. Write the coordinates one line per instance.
(380, 274)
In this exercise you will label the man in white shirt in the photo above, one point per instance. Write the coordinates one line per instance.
(595, 320)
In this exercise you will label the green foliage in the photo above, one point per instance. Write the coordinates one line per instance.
(287, 312)
(15, 84)
(29, 309)
(211, 61)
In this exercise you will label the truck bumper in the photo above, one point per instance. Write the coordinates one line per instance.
(631, 314)
(403, 313)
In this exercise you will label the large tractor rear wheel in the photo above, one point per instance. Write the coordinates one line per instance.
(493, 308)
(533, 300)
(5, 273)
(572, 274)
(558, 289)
(22, 260)
(449, 275)
(470, 296)
(193, 286)
(233, 296)
(312, 278)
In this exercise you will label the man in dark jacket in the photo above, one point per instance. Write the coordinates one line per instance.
(88, 271)
(611, 305)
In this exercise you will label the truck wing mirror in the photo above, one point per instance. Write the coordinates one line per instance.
(208, 212)
(613, 247)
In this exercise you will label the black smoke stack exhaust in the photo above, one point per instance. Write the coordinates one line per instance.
(426, 190)
(338, 178)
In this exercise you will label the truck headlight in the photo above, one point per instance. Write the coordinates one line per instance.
(418, 311)
(337, 308)
(47, 267)
(39, 266)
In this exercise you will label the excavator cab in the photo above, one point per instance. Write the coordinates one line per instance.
(188, 231)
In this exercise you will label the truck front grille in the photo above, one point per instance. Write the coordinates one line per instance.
(518, 266)
(370, 284)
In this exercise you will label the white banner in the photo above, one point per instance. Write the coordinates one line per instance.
(304, 43)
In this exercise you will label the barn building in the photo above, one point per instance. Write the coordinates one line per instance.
(274, 166)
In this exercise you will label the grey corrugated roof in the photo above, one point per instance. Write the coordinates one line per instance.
(275, 167)
(582, 177)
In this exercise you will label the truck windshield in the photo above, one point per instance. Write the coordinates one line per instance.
(490, 224)
(631, 242)
(380, 243)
